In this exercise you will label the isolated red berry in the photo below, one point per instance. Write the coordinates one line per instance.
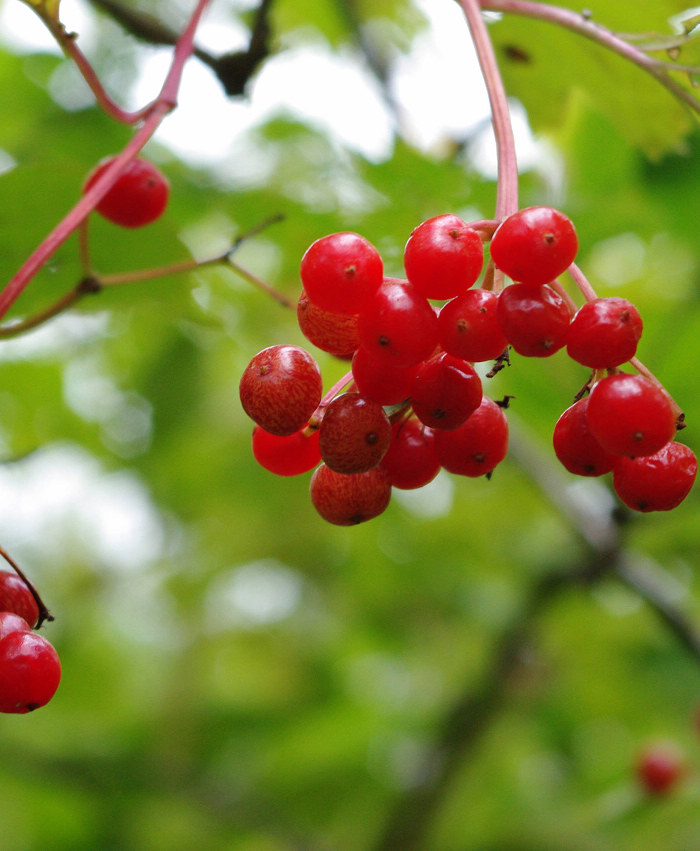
(575, 446)
(443, 257)
(658, 482)
(138, 197)
(355, 433)
(534, 318)
(30, 672)
(346, 500)
(478, 445)
(469, 328)
(281, 388)
(659, 768)
(16, 597)
(534, 245)
(287, 455)
(604, 333)
(341, 272)
(335, 333)
(630, 415)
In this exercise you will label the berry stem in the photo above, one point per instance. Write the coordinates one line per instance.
(44, 613)
(507, 192)
(317, 415)
(582, 282)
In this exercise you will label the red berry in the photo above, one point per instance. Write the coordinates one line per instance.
(355, 434)
(346, 500)
(446, 390)
(341, 272)
(399, 326)
(478, 445)
(534, 245)
(443, 257)
(534, 318)
(469, 327)
(335, 333)
(656, 482)
(411, 460)
(630, 415)
(281, 388)
(659, 768)
(16, 597)
(30, 672)
(604, 333)
(138, 196)
(383, 382)
(576, 447)
(10, 622)
(288, 455)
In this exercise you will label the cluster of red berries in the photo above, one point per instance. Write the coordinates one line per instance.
(138, 197)
(30, 670)
(413, 402)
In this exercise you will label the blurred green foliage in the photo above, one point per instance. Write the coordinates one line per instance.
(237, 674)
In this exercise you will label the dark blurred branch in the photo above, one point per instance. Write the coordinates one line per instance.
(234, 69)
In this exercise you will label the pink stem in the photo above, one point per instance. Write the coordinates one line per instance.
(163, 104)
(507, 193)
(582, 282)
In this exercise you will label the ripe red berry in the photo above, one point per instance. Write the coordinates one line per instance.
(604, 333)
(534, 318)
(411, 460)
(288, 455)
(341, 272)
(443, 257)
(446, 390)
(355, 433)
(16, 597)
(469, 328)
(630, 415)
(335, 333)
(399, 326)
(575, 446)
(346, 500)
(656, 482)
(659, 768)
(138, 196)
(281, 388)
(478, 445)
(10, 622)
(383, 382)
(30, 672)
(534, 245)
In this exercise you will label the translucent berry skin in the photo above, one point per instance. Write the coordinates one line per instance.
(281, 388)
(399, 326)
(290, 455)
(468, 326)
(443, 257)
(534, 319)
(383, 382)
(355, 434)
(629, 415)
(335, 333)
(16, 597)
(446, 390)
(346, 500)
(10, 622)
(138, 197)
(604, 333)
(478, 445)
(411, 460)
(659, 768)
(30, 672)
(658, 482)
(575, 446)
(341, 272)
(534, 245)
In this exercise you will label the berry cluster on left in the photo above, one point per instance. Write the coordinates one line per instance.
(30, 670)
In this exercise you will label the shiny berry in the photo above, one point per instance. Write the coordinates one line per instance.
(534, 318)
(383, 382)
(443, 257)
(281, 388)
(469, 328)
(534, 245)
(478, 445)
(335, 333)
(346, 500)
(138, 197)
(446, 390)
(604, 333)
(630, 415)
(341, 272)
(30, 672)
(355, 433)
(658, 482)
(411, 460)
(575, 446)
(287, 455)
(10, 622)
(16, 597)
